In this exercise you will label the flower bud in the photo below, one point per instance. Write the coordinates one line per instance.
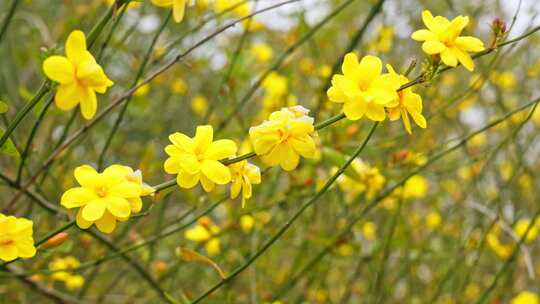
(56, 240)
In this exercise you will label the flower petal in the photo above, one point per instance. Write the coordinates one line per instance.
(216, 171)
(93, 210)
(354, 110)
(221, 149)
(433, 47)
(107, 223)
(88, 103)
(77, 197)
(119, 207)
(67, 96)
(81, 222)
(125, 190)
(76, 46)
(203, 137)
(186, 180)
(86, 176)
(59, 69)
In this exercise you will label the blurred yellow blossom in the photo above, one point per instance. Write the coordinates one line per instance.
(178, 7)
(526, 297)
(262, 52)
(199, 105)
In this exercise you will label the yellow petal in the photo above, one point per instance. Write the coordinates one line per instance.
(221, 149)
(464, 58)
(470, 44)
(86, 176)
(203, 137)
(448, 57)
(354, 110)
(59, 69)
(406, 121)
(182, 141)
(433, 47)
(136, 204)
(107, 223)
(172, 165)
(375, 112)
(93, 210)
(119, 207)
(304, 146)
(189, 163)
(8, 252)
(423, 35)
(125, 189)
(216, 171)
(81, 222)
(88, 103)
(178, 10)
(236, 186)
(77, 197)
(25, 248)
(289, 158)
(186, 180)
(76, 46)
(207, 184)
(67, 96)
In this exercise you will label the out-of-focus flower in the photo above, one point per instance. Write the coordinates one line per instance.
(383, 40)
(521, 227)
(433, 220)
(495, 244)
(284, 137)
(262, 52)
(526, 297)
(369, 231)
(247, 222)
(362, 88)
(61, 272)
(275, 84)
(199, 105)
(363, 179)
(504, 80)
(79, 76)
(243, 175)
(415, 187)
(205, 232)
(409, 103)
(197, 158)
(179, 87)
(106, 197)
(16, 240)
(178, 7)
(442, 38)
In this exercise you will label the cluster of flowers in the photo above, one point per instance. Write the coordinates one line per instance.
(288, 134)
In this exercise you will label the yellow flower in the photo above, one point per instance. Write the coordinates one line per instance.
(442, 38)
(246, 222)
(522, 225)
(433, 220)
(105, 197)
(493, 242)
(284, 137)
(199, 105)
(79, 76)
(205, 233)
(275, 84)
(526, 297)
(362, 89)
(178, 7)
(361, 178)
(369, 230)
(262, 52)
(241, 8)
(243, 174)
(74, 282)
(61, 267)
(16, 238)
(409, 103)
(415, 187)
(179, 87)
(383, 41)
(197, 158)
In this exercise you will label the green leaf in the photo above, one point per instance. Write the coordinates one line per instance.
(8, 148)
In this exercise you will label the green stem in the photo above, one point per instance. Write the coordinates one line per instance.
(8, 18)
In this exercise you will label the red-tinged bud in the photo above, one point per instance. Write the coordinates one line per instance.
(308, 181)
(498, 27)
(56, 240)
(352, 129)
(400, 155)
(205, 221)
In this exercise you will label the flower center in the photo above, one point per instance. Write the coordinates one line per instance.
(101, 191)
(283, 135)
(6, 242)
